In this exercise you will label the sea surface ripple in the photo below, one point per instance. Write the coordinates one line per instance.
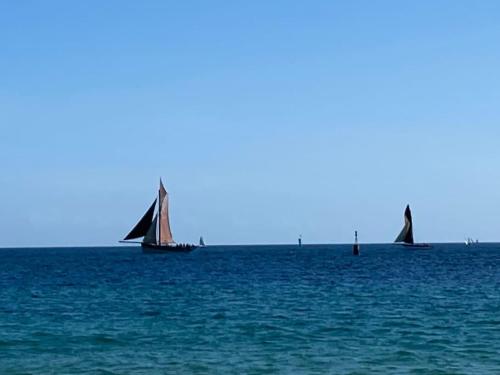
(251, 309)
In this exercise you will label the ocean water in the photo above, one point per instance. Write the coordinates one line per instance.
(251, 310)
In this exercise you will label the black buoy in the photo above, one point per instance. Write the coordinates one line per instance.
(355, 247)
(300, 241)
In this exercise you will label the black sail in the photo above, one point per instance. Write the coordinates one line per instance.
(143, 225)
(406, 234)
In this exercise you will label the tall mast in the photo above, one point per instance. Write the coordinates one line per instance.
(159, 215)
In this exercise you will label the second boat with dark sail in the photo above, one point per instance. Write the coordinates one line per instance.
(406, 236)
(155, 228)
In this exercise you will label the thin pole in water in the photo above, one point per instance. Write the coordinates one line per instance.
(355, 247)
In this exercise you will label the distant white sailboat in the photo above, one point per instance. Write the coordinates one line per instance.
(469, 241)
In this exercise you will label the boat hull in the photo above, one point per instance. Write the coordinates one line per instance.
(417, 246)
(153, 248)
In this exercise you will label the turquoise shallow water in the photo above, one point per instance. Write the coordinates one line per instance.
(251, 309)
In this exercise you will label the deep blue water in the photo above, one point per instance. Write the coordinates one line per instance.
(251, 309)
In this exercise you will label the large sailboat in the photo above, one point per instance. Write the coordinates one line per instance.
(406, 236)
(155, 228)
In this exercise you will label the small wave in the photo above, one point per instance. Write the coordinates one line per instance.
(5, 343)
(168, 282)
(103, 339)
(151, 313)
(219, 316)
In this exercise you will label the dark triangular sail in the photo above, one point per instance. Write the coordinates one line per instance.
(406, 234)
(143, 225)
(150, 237)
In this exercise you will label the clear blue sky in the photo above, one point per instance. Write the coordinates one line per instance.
(265, 119)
